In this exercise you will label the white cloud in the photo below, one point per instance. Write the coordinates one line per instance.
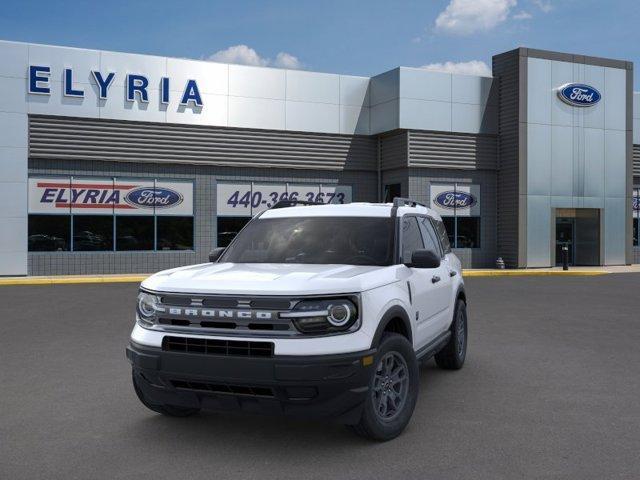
(522, 15)
(545, 6)
(286, 60)
(245, 55)
(464, 17)
(472, 67)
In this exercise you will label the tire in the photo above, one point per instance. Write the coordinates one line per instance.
(380, 420)
(452, 356)
(168, 410)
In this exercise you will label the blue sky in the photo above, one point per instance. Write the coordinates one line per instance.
(352, 37)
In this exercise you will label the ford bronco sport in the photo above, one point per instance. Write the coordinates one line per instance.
(312, 311)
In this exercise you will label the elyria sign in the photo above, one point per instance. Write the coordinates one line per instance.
(453, 200)
(578, 94)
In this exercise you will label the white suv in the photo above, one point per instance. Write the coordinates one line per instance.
(320, 311)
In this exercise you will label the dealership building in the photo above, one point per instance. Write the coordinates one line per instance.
(117, 162)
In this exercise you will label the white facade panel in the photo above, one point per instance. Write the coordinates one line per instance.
(13, 92)
(385, 116)
(423, 84)
(470, 89)
(616, 99)
(312, 117)
(257, 113)
(313, 87)
(212, 77)
(425, 115)
(561, 74)
(257, 82)
(58, 104)
(615, 177)
(354, 120)
(593, 117)
(540, 92)
(13, 130)
(116, 106)
(13, 198)
(538, 159)
(215, 112)
(594, 164)
(385, 87)
(14, 59)
(154, 68)
(354, 91)
(467, 118)
(13, 164)
(81, 61)
(562, 160)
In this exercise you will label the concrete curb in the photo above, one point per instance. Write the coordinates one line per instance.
(533, 273)
(70, 280)
(137, 278)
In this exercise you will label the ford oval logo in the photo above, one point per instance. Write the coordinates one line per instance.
(149, 197)
(579, 94)
(453, 200)
(636, 203)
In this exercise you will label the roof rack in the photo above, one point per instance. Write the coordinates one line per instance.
(406, 202)
(292, 203)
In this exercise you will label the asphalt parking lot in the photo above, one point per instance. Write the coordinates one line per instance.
(551, 389)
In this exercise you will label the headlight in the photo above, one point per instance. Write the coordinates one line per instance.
(147, 308)
(325, 316)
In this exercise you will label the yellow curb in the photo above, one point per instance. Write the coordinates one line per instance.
(64, 280)
(533, 273)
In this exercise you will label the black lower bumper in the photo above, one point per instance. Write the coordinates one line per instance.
(326, 386)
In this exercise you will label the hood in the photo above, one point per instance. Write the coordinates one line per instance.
(270, 279)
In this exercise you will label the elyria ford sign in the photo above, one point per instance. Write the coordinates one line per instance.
(578, 94)
(452, 200)
(136, 86)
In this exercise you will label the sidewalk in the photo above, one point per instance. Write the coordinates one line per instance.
(139, 277)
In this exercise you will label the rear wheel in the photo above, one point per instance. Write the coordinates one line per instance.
(393, 390)
(452, 356)
(169, 410)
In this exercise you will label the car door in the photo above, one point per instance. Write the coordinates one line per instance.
(423, 283)
(446, 283)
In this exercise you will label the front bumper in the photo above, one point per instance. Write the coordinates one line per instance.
(321, 386)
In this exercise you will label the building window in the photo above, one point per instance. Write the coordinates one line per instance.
(459, 206)
(134, 233)
(109, 214)
(228, 228)
(392, 191)
(49, 233)
(635, 232)
(175, 233)
(92, 233)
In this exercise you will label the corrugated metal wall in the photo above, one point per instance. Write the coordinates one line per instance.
(636, 160)
(506, 70)
(394, 150)
(452, 150)
(65, 138)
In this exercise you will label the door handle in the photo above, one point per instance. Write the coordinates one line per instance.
(435, 279)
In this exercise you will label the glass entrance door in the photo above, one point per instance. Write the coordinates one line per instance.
(565, 231)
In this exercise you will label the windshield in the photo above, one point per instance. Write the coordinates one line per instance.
(323, 240)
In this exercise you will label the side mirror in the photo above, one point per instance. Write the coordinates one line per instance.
(215, 254)
(424, 259)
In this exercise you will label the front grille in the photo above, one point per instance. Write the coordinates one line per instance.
(206, 346)
(216, 314)
(223, 388)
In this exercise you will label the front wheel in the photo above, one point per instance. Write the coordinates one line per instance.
(452, 356)
(393, 390)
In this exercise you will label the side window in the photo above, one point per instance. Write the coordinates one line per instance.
(429, 235)
(411, 238)
(442, 235)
